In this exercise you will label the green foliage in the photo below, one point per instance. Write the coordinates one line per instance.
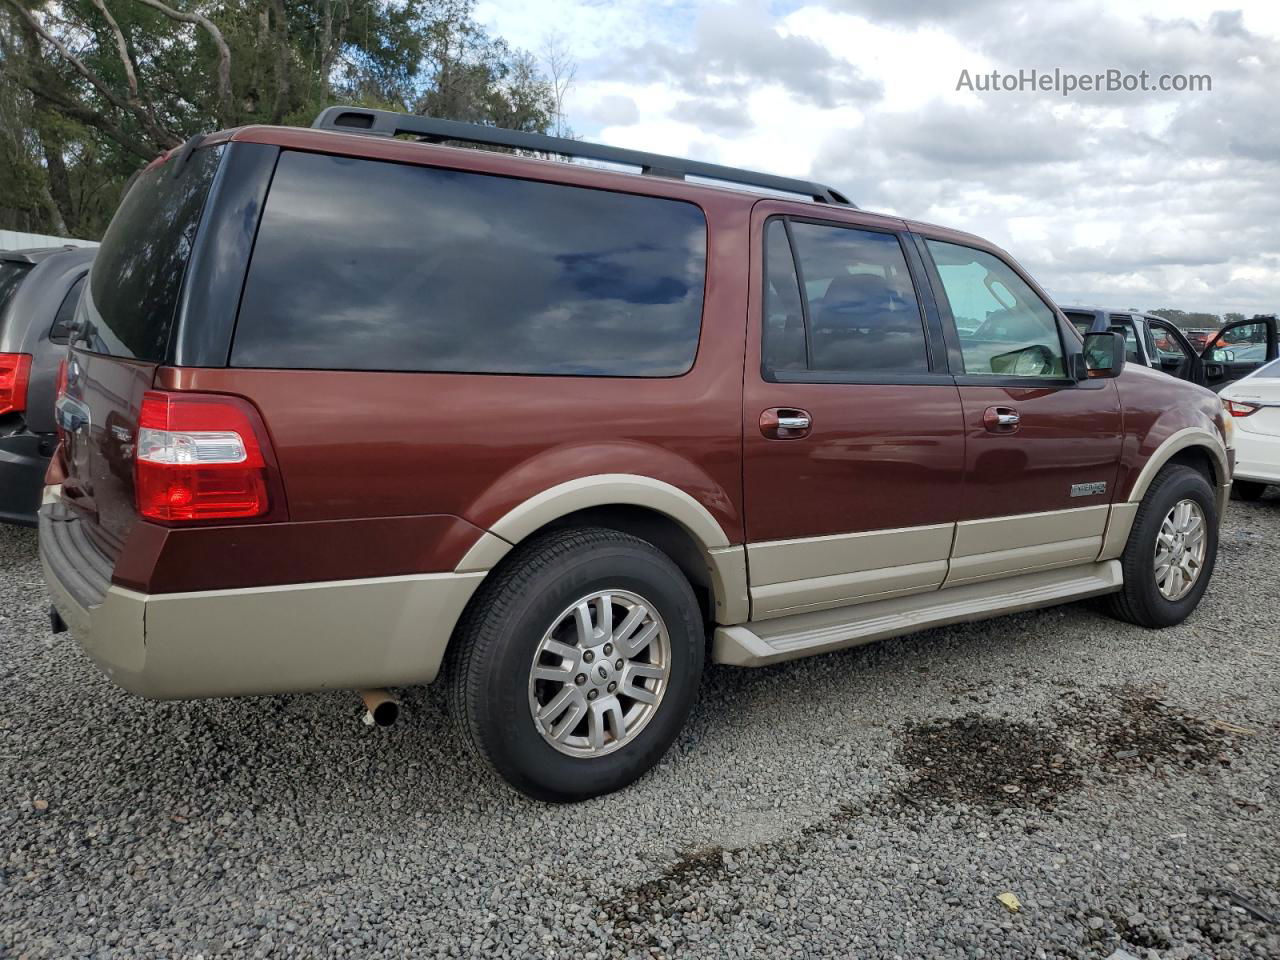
(78, 121)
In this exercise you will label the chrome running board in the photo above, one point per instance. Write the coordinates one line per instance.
(761, 642)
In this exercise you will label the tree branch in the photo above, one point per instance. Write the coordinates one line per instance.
(67, 55)
(161, 136)
(121, 47)
(224, 52)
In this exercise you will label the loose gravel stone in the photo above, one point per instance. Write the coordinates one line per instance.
(1122, 783)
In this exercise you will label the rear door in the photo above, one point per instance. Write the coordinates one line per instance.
(1238, 349)
(1042, 449)
(121, 334)
(853, 438)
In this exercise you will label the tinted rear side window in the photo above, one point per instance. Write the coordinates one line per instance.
(12, 274)
(137, 274)
(365, 265)
(61, 328)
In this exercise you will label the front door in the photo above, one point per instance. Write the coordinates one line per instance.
(1238, 349)
(853, 437)
(1043, 449)
(1174, 352)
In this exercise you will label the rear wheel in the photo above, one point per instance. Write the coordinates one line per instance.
(577, 664)
(1248, 490)
(1171, 550)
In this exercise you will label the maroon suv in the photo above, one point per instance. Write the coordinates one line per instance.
(345, 410)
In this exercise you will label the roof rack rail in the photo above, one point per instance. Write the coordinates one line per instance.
(387, 123)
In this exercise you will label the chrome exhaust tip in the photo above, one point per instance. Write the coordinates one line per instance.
(381, 708)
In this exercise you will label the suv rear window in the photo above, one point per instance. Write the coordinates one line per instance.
(367, 265)
(133, 287)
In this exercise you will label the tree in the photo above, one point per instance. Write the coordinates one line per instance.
(92, 89)
(1188, 321)
(561, 72)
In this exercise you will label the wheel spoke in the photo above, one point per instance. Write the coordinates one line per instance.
(556, 706)
(1184, 515)
(642, 671)
(617, 720)
(632, 646)
(633, 688)
(560, 674)
(595, 725)
(604, 617)
(563, 650)
(630, 622)
(570, 720)
(582, 619)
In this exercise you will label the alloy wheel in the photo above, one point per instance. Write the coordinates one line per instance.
(599, 673)
(1180, 548)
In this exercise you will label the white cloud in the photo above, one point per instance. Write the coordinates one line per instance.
(1155, 200)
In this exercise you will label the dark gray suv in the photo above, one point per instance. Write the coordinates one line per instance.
(39, 290)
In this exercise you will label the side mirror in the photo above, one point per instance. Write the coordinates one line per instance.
(1223, 356)
(1103, 355)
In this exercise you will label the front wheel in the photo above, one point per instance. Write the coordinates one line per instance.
(577, 664)
(1171, 551)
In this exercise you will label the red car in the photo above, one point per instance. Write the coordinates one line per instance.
(346, 410)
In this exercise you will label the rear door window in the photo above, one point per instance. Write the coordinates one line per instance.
(137, 275)
(1124, 326)
(850, 293)
(367, 265)
(61, 328)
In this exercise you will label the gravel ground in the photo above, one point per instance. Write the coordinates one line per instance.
(1122, 784)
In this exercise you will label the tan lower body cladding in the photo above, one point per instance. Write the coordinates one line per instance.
(790, 577)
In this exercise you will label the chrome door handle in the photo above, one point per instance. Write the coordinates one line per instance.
(1001, 419)
(785, 423)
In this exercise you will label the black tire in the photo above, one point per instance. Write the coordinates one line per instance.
(492, 653)
(1248, 490)
(1140, 600)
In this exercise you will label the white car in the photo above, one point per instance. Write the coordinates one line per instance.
(1254, 402)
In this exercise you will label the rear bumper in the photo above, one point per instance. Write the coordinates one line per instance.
(385, 631)
(1257, 457)
(24, 457)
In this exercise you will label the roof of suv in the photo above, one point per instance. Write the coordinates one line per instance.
(375, 147)
(34, 255)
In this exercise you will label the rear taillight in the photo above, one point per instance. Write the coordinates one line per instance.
(1238, 409)
(15, 370)
(200, 457)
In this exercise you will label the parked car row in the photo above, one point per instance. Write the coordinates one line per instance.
(1223, 357)
(346, 410)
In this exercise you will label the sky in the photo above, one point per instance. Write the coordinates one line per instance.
(1116, 199)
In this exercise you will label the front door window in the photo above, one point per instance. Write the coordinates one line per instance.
(1005, 329)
